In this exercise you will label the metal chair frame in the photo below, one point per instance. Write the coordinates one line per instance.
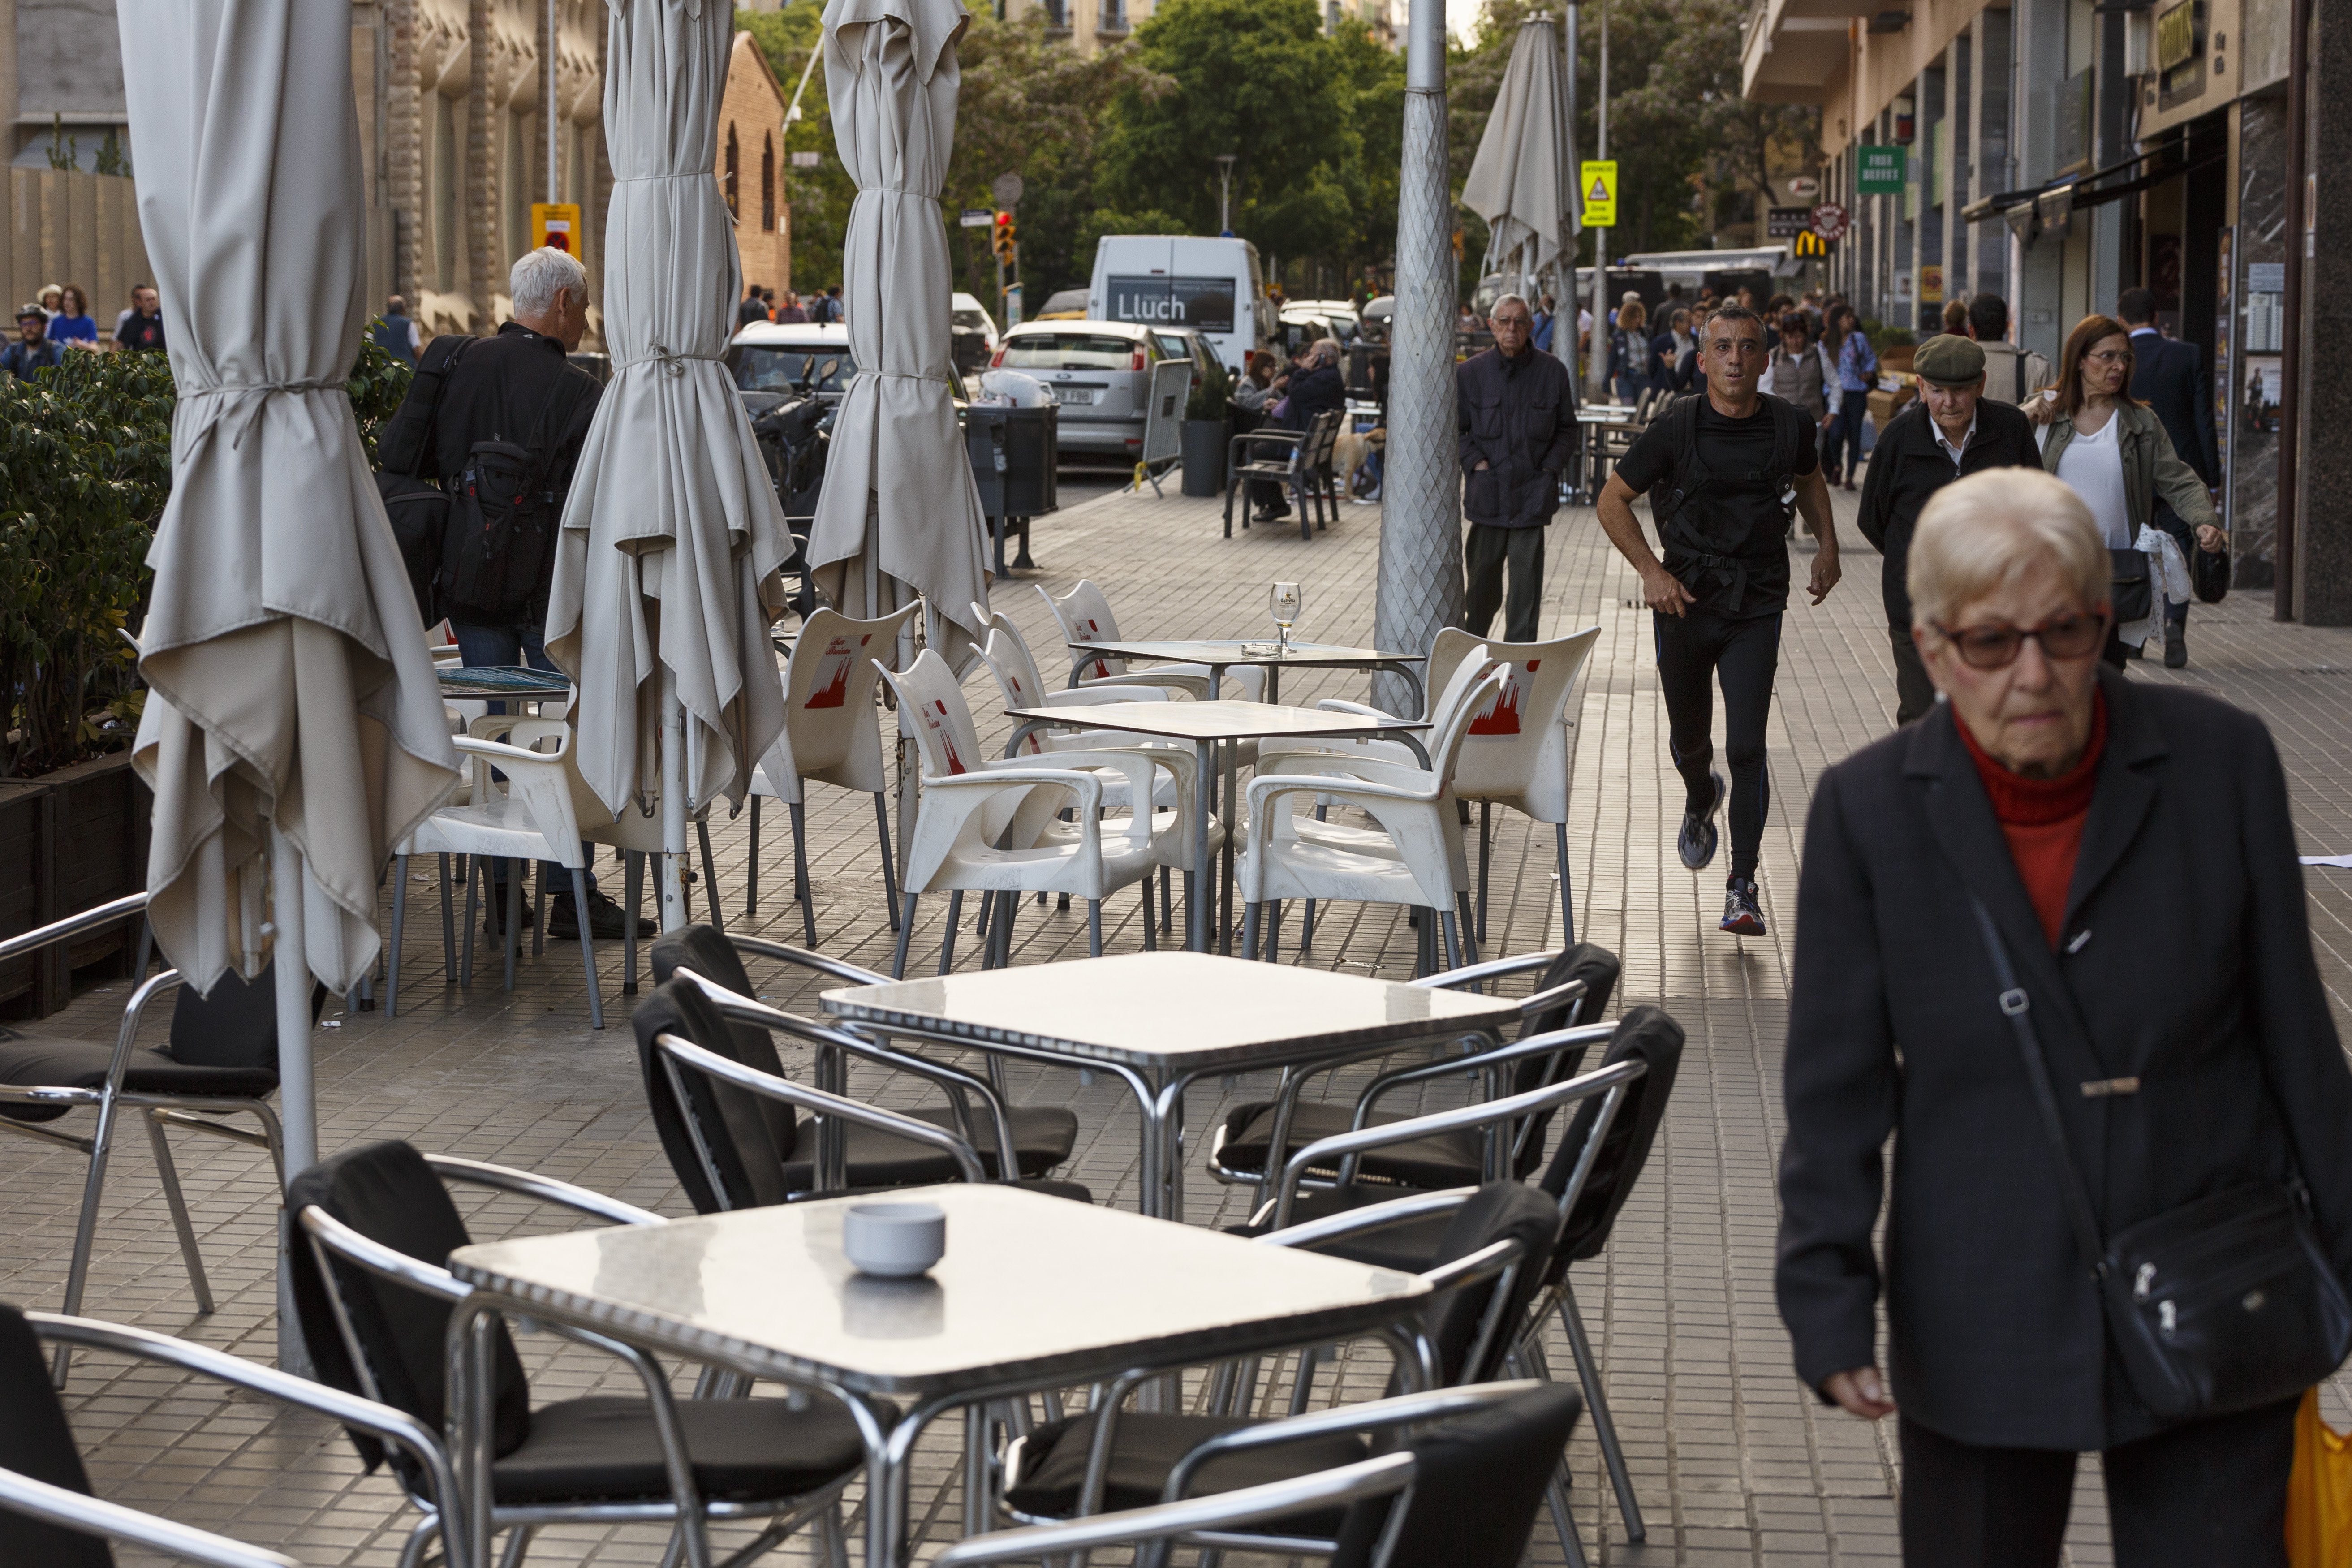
(191, 1112)
(469, 1470)
(95, 1516)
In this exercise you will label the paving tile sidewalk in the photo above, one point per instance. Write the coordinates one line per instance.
(1733, 1462)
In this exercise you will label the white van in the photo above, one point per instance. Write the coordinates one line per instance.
(1212, 286)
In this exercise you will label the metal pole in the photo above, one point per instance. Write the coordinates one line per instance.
(1420, 519)
(1563, 340)
(1596, 379)
(546, 108)
(673, 805)
(298, 1099)
(2286, 545)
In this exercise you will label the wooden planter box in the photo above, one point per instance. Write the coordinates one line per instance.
(69, 840)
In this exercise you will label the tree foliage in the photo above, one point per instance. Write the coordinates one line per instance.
(819, 197)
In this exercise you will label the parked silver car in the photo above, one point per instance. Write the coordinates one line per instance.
(1100, 374)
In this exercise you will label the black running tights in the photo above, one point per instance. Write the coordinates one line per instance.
(1741, 655)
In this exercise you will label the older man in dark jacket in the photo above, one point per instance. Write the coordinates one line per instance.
(1313, 386)
(1516, 411)
(1953, 429)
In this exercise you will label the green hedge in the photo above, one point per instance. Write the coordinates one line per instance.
(85, 470)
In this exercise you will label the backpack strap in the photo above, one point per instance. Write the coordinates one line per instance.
(538, 443)
(405, 445)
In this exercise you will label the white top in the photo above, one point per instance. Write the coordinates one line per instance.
(1957, 453)
(2093, 465)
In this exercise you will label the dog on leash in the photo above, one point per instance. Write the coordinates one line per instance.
(1352, 452)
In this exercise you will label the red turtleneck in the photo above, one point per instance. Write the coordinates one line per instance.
(2042, 819)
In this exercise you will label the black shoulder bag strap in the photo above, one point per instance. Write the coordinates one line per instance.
(538, 443)
(405, 445)
(2017, 1009)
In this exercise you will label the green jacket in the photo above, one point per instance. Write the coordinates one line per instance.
(2151, 468)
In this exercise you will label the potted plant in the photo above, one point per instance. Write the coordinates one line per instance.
(1205, 431)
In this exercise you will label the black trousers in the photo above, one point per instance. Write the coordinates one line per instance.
(1742, 656)
(2200, 1496)
(1914, 694)
(1489, 548)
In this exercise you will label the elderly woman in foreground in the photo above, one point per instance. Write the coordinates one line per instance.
(2052, 937)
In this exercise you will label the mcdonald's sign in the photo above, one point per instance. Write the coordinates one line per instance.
(1807, 243)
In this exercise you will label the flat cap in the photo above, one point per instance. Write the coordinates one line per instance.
(1948, 360)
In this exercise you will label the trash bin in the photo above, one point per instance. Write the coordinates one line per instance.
(1015, 455)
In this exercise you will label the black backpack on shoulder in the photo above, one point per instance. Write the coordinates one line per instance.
(419, 508)
(503, 518)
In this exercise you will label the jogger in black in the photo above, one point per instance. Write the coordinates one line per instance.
(1743, 654)
(1724, 469)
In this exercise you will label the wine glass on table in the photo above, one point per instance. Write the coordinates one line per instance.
(1284, 602)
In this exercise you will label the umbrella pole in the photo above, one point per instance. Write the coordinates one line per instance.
(297, 1091)
(673, 805)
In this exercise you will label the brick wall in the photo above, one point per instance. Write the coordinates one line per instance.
(751, 139)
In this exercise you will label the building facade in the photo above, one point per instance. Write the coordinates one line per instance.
(751, 166)
(2056, 152)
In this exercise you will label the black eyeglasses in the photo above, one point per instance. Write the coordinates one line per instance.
(1997, 647)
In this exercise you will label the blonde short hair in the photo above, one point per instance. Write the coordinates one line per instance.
(1990, 529)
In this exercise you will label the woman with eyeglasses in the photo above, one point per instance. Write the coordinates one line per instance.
(2114, 862)
(2112, 450)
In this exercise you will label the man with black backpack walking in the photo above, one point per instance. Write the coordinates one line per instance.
(1724, 469)
(498, 421)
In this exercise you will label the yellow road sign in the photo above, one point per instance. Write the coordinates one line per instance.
(556, 223)
(1597, 183)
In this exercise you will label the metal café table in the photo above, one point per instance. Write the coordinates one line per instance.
(1221, 654)
(1160, 1020)
(502, 681)
(1208, 726)
(1033, 1293)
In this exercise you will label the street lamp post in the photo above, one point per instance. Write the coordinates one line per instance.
(1596, 384)
(1225, 193)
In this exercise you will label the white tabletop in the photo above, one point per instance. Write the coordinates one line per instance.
(1031, 1289)
(1216, 720)
(1170, 1009)
(1249, 651)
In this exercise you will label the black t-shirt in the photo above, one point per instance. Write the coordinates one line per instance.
(1728, 545)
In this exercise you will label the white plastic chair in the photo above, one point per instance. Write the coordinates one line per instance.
(975, 812)
(1515, 752)
(532, 818)
(830, 734)
(1084, 615)
(1415, 858)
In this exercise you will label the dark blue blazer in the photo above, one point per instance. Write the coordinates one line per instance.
(2169, 375)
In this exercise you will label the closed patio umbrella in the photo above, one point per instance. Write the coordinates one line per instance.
(899, 514)
(668, 574)
(293, 730)
(1521, 182)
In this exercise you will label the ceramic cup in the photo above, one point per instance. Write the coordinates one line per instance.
(893, 1240)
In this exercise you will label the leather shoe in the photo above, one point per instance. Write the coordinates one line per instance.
(2175, 648)
(605, 921)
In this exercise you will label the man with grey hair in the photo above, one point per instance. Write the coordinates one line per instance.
(502, 419)
(1516, 413)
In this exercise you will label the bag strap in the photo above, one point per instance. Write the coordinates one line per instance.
(542, 458)
(2016, 1007)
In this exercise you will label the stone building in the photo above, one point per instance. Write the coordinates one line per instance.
(751, 166)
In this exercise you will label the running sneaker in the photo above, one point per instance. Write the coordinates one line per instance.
(1742, 916)
(1695, 843)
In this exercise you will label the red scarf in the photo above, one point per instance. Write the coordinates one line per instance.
(2042, 819)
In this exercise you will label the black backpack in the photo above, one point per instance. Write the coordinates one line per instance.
(419, 508)
(502, 522)
(1690, 476)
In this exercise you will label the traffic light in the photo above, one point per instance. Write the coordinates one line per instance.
(1006, 244)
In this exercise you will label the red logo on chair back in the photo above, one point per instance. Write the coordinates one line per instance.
(1501, 716)
(1087, 633)
(832, 688)
(934, 719)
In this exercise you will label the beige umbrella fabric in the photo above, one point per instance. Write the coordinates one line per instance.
(668, 574)
(899, 499)
(289, 683)
(1520, 182)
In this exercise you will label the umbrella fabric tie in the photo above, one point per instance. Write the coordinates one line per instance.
(246, 397)
(672, 362)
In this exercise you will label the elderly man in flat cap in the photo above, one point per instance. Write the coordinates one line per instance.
(1950, 430)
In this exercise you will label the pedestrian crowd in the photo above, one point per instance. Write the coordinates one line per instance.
(60, 321)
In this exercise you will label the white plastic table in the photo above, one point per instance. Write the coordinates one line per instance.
(1035, 1293)
(1158, 1020)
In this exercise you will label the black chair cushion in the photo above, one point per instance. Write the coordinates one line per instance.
(1409, 1246)
(54, 1061)
(1432, 1164)
(34, 1441)
(388, 1193)
(1652, 1034)
(1145, 1447)
(1042, 1137)
(236, 1025)
(750, 1136)
(1477, 1482)
(745, 1451)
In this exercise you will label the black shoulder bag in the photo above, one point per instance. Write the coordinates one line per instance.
(502, 519)
(2220, 1305)
(419, 509)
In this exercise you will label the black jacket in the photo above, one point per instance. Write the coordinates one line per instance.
(1519, 419)
(2170, 377)
(1908, 465)
(2185, 961)
(494, 393)
(1313, 392)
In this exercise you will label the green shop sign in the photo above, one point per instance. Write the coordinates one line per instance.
(1881, 171)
